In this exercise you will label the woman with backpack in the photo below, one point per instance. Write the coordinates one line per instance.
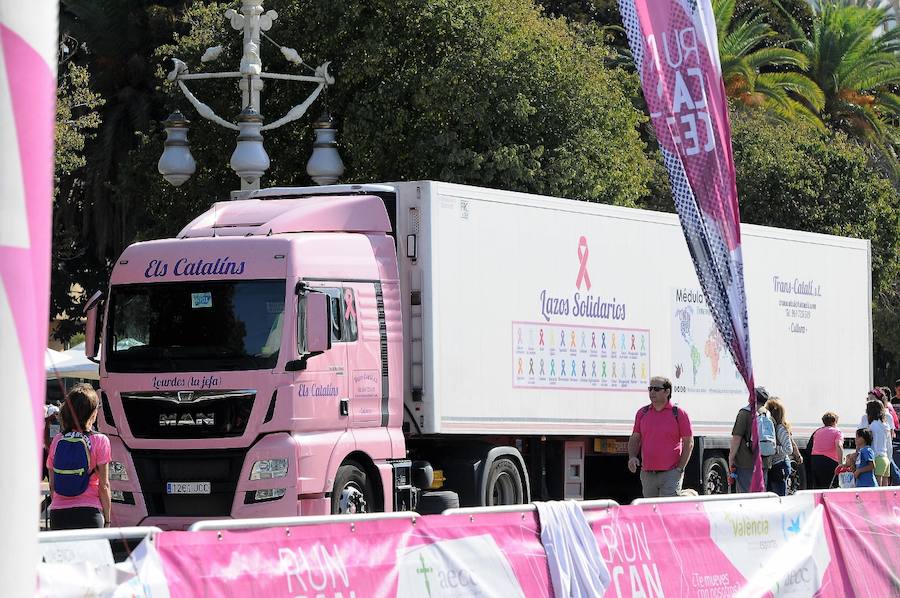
(780, 473)
(78, 462)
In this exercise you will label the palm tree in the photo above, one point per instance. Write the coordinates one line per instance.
(852, 57)
(754, 74)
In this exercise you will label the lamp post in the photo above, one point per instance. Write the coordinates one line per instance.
(249, 159)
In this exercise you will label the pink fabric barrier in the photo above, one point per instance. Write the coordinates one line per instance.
(826, 545)
(865, 538)
(496, 555)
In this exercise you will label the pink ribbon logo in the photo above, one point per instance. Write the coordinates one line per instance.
(350, 309)
(582, 267)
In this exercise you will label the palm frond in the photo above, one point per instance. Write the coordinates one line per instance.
(801, 86)
(777, 57)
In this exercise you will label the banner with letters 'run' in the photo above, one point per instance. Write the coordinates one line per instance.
(675, 49)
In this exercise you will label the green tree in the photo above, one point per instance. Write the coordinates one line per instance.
(107, 92)
(480, 92)
(749, 67)
(77, 119)
(853, 59)
(777, 13)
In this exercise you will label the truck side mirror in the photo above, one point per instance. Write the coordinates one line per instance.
(315, 329)
(92, 327)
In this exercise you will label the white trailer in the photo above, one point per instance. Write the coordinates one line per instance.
(538, 321)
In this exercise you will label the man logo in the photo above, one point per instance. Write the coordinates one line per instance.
(185, 396)
(187, 419)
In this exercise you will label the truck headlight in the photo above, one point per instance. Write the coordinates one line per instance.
(269, 494)
(269, 469)
(117, 471)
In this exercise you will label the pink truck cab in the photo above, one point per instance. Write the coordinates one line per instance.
(252, 366)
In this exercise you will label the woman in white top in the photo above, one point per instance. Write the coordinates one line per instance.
(881, 441)
(876, 395)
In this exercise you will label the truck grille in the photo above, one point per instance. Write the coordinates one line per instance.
(188, 414)
(221, 468)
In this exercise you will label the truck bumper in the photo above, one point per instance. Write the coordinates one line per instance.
(143, 498)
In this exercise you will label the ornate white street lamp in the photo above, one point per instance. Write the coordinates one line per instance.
(249, 159)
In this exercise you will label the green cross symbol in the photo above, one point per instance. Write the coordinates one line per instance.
(425, 571)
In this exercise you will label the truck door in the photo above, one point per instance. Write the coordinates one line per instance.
(324, 382)
(363, 341)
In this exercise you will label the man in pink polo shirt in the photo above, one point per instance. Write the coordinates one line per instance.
(662, 435)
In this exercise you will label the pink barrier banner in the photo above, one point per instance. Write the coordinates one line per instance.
(823, 545)
(676, 53)
(865, 529)
(827, 545)
(494, 555)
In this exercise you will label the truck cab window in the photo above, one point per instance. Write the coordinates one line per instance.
(342, 304)
(195, 326)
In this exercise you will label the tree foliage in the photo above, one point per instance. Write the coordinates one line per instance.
(778, 14)
(479, 92)
(852, 57)
(106, 92)
(794, 176)
(77, 119)
(748, 67)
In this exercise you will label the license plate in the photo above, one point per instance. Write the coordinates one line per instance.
(187, 488)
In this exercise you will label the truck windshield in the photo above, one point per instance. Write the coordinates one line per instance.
(198, 326)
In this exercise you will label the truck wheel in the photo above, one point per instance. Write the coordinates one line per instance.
(504, 484)
(434, 502)
(353, 491)
(715, 476)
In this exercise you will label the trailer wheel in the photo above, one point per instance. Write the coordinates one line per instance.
(353, 491)
(504, 484)
(715, 476)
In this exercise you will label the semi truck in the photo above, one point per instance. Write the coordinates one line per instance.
(417, 345)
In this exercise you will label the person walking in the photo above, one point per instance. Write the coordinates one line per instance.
(881, 441)
(827, 452)
(780, 473)
(663, 438)
(78, 462)
(740, 455)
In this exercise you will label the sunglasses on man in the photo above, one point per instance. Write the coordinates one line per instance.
(655, 388)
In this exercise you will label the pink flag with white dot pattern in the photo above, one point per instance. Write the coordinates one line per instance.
(676, 54)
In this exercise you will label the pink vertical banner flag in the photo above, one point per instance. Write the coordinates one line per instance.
(676, 54)
(28, 41)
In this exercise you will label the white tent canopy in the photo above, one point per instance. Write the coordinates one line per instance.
(70, 364)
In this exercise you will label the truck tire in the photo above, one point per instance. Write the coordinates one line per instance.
(435, 502)
(715, 476)
(504, 484)
(353, 492)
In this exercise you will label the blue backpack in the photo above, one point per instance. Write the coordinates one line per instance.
(71, 464)
(765, 428)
